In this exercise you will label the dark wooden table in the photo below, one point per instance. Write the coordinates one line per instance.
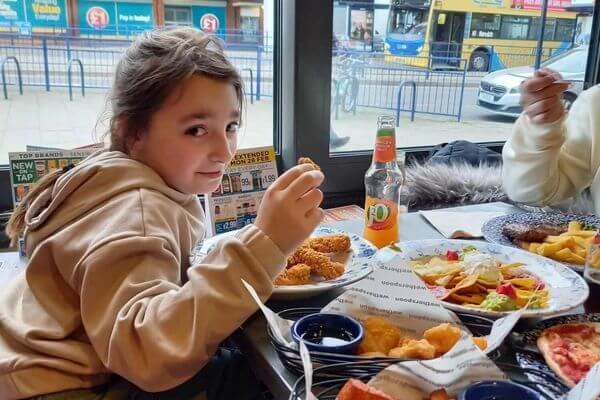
(253, 337)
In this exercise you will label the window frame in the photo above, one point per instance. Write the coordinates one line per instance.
(504, 22)
(175, 10)
(592, 71)
(476, 17)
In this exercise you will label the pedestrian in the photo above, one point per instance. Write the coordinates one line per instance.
(108, 306)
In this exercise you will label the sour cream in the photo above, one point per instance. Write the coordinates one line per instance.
(483, 265)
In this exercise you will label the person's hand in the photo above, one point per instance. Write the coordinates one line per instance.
(541, 96)
(289, 210)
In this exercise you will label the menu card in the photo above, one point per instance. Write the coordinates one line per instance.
(235, 203)
(344, 213)
(28, 167)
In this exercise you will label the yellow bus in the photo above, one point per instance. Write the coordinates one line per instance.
(488, 34)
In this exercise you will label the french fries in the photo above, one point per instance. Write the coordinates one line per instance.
(570, 246)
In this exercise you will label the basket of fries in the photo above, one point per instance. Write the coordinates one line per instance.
(290, 356)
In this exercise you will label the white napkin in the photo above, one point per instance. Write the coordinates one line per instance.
(308, 371)
(463, 365)
(280, 326)
(453, 224)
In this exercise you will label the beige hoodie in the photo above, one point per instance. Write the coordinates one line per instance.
(108, 290)
(547, 164)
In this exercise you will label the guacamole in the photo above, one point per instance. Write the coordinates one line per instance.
(498, 302)
(537, 302)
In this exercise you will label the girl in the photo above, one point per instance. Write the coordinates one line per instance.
(108, 290)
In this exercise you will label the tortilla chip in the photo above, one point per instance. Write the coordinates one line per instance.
(444, 280)
(468, 298)
(487, 284)
(524, 283)
(467, 282)
(456, 280)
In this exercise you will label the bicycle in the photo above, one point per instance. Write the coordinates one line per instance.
(345, 86)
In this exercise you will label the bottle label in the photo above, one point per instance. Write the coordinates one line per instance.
(380, 214)
(385, 146)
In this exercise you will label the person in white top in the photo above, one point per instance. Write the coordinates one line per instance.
(553, 155)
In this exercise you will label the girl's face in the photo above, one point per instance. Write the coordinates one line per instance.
(193, 136)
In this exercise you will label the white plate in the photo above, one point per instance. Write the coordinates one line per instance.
(567, 289)
(359, 262)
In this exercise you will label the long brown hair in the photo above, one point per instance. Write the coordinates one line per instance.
(156, 63)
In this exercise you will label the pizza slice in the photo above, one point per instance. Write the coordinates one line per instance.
(571, 350)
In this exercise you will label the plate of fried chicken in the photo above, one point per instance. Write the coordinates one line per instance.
(329, 259)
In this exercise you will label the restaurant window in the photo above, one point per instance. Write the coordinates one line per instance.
(461, 65)
(514, 27)
(485, 25)
(178, 16)
(56, 121)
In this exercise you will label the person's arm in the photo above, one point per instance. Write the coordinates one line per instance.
(547, 162)
(158, 334)
(155, 333)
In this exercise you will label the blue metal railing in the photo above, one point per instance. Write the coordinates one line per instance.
(3, 73)
(369, 80)
(439, 92)
(45, 60)
(414, 100)
(251, 80)
(82, 77)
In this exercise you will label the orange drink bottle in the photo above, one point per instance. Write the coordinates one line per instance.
(383, 183)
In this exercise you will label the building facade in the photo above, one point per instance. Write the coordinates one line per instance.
(243, 20)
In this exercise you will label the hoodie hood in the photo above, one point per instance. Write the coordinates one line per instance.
(95, 180)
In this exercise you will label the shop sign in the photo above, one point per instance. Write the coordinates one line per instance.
(134, 16)
(11, 11)
(209, 23)
(47, 13)
(97, 17)
(553, 5)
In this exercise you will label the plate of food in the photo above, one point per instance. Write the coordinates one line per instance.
(562, 237)
(490, 279)
(329, 259)
(566, 346)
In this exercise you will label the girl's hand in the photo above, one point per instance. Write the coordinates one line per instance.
(289, 210)
(541, 96)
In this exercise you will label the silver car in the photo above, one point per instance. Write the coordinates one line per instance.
(499, 91)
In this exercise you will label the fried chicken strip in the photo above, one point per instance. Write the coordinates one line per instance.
(298, 274)
(294, 259)
(306, 160)
(330, 244)
(319, 263)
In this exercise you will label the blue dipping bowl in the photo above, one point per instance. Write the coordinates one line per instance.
(336, 321)
(498, 390)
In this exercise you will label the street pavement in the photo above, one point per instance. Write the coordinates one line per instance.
(49, 119)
